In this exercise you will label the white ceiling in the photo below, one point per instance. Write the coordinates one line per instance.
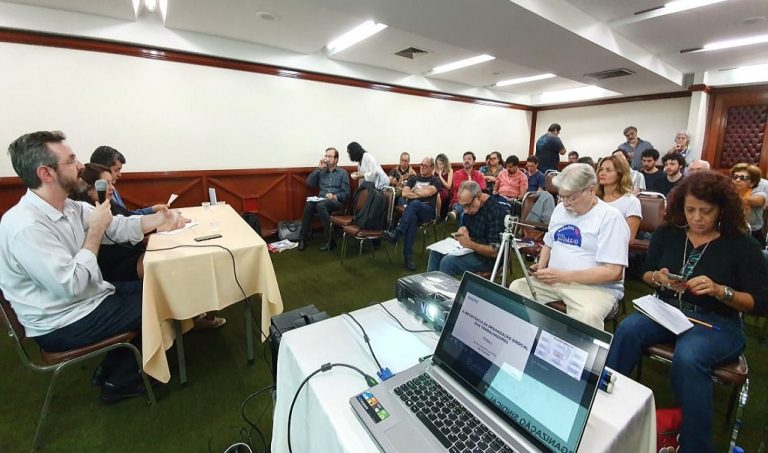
(569, 38)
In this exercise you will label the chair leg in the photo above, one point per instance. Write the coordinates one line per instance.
(343, 246)
(147, 385)
(743, 396)
(639, 372)
(44, 411)
(360, 250)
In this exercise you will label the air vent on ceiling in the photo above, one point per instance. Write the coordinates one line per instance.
(411, 53)
(609, 74)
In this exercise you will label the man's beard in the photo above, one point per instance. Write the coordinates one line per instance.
(73, 186)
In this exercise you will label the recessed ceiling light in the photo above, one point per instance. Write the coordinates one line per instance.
(519, 80)
(729, 44)
(753, 20)
(354, 36)
(672, 7)
(461, 64)
(268, 16)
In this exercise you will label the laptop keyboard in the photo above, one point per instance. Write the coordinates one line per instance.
(445, 417)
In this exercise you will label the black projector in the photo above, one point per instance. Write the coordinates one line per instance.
(429, 295)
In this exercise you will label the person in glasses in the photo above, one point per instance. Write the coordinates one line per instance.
(673, 169)
(745, 178)
(585, 251)
(483, 224)
(721, 274)
(48, 267)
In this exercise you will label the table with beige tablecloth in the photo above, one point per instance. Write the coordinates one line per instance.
(187, 281)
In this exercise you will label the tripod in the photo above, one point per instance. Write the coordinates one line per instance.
(508, 241)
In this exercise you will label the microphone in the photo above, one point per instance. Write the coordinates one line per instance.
(101, 190)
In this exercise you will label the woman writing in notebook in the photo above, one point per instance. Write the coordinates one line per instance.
(702, 261)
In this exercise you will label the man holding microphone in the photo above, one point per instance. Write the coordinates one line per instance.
(333, 183)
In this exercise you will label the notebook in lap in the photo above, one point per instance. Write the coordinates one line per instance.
(508, 374)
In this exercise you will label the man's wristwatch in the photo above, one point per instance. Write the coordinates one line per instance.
(727, 294)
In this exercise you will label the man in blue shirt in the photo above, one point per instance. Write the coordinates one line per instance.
(114, 160)
(483, 224)
(549, 148)
(634, 147)
(536, 179)
(333, 183)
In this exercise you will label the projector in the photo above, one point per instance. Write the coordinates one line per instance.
(429, 296)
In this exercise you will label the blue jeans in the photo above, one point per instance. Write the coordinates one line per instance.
(697, 352)
(456, 265)
(416, 213)
(118, 313)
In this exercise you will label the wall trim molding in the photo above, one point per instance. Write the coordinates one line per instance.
(619, 100)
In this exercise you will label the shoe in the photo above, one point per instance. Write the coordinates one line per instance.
(330, 245)
(302, 245)
(110, 393)
(409, 263)
(99, 376)
(391, 236)
(208, 322)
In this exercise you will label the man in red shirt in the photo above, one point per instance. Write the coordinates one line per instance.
(459, 176)
(511, 183)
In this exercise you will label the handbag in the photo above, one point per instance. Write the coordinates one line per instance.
(289, 230)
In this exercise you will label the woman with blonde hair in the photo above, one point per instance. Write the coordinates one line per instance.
(614, 186)
(444, 171)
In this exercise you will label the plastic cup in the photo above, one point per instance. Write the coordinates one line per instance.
(206, 205)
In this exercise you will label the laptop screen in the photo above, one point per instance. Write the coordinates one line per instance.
(534, 366)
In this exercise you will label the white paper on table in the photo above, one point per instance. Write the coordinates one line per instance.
(187, 225)
(449, 246)
(172, 198)
(315, 198)
(666, 315)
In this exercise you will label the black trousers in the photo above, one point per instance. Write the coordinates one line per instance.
(323, 209)
(118, 313)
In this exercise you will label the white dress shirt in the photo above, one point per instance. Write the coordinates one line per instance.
(45, 273)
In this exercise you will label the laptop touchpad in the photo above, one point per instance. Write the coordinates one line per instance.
(405, 438)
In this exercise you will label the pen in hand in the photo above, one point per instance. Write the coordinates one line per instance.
(705, 324)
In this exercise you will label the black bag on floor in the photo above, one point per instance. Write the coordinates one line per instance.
(289, 230)
(373, 215)
(253, 221)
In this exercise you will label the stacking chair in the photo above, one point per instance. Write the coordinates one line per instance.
(57, 361)
(735, 374)
(363, 235)
(653, 205)
(548, 185)
(344, 219)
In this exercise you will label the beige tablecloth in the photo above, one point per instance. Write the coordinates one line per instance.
(184, 282)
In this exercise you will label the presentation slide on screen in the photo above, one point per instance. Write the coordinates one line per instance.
(502, 338)
(566, 357)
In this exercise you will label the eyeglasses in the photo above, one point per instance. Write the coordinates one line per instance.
(572, 197)
(71, 161)
(740, 177)
(467, 205)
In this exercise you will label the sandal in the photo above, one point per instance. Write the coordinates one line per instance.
(208, 322)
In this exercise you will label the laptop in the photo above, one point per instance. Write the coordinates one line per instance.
(508, 374)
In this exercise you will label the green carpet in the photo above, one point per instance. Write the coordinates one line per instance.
(207, 411)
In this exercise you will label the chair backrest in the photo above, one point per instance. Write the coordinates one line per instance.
(15, 329)
(548, 186)
(529, 199)
(653, 205)
(389, 191)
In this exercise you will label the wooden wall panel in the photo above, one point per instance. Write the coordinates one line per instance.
(723, 99)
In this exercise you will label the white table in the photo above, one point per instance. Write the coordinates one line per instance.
(323, 420)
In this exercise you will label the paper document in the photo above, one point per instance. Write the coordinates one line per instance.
(315, 198)
(189, 224)
(668, 316)
(449, 246)
(279, 246)
(172, 198)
